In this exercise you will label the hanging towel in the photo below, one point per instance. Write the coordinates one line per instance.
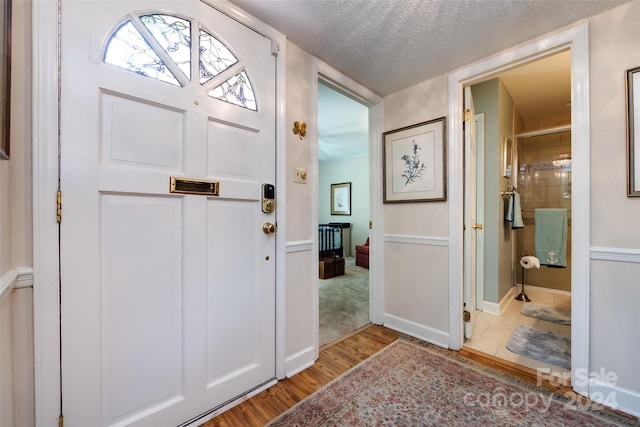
(514, 212)
(517, 212)
(550, 237)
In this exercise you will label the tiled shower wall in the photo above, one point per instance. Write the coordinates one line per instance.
(544, 181)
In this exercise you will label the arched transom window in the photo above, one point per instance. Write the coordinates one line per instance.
(159, 46)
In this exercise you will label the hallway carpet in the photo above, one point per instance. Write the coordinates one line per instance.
(344, 302)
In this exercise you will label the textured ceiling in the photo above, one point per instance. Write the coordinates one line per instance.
(343, 126)
(390, 45)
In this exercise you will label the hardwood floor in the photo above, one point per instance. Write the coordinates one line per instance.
(338, 357)
(335, 359)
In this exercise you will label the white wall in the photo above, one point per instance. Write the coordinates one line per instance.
(416, 278)
(415, 235)
(505, 234)
(16, 259)
(301, 313)
(356, 171)
(615, 229)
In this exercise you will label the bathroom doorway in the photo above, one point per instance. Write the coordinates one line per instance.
(527, 150)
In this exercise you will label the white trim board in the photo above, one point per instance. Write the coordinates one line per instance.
(416, 330)
(616, 254)
(518, 288)
(417, 240)
(299, 246)
(15, 278)
(502, 306)
(300, 361)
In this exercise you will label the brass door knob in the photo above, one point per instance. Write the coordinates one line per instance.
(269, 228)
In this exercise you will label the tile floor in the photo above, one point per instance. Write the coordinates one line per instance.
(491, 332)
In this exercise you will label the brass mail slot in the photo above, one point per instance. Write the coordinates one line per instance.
(194, 186)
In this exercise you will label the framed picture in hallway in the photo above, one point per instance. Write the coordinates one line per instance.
(633, 132)
(414, 163)
(5, 77)
(341, 199)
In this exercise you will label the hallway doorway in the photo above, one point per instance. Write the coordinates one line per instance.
(343, 166)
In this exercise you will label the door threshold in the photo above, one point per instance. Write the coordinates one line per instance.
(523, 372)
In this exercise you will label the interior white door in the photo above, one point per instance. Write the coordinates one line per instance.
(471, 225)
(479, 210)
(168, 298)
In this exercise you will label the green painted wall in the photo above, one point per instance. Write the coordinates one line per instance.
(492, 99)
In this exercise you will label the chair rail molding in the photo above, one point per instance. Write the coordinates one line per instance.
(615, 254)
(15, 278)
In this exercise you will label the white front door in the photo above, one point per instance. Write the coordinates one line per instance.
(168, 298)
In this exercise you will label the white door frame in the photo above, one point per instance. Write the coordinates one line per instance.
(576, 39)
(45, 183)
(334, 78)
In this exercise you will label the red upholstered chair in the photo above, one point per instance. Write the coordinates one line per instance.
(362, 254)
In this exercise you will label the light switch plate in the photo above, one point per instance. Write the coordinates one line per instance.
(301, 176)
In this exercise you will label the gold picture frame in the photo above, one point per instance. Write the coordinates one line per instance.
(341, 199)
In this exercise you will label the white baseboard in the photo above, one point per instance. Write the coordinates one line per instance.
(230, 405)
(499, 308)
(416, 330)
(616, 397)
(299, 361)
(542, 289)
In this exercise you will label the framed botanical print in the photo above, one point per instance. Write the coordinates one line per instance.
(414, 163)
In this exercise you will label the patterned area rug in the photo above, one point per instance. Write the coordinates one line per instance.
(559, 315)
(344, 302)
(539, 344)
(414, 385)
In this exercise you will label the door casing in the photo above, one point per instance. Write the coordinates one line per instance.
(577, 40)
(334, 78)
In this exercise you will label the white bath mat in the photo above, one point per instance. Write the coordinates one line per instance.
(539, 344)
(559, 315)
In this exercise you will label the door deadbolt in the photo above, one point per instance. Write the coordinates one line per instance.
(477, 226)
(269, 228)
(268, 198)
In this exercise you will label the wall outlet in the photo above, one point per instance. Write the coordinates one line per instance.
(301, 176)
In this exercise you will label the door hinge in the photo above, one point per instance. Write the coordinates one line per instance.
(466, 114)
(466, 316)
(275, 48)
(59, 206)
